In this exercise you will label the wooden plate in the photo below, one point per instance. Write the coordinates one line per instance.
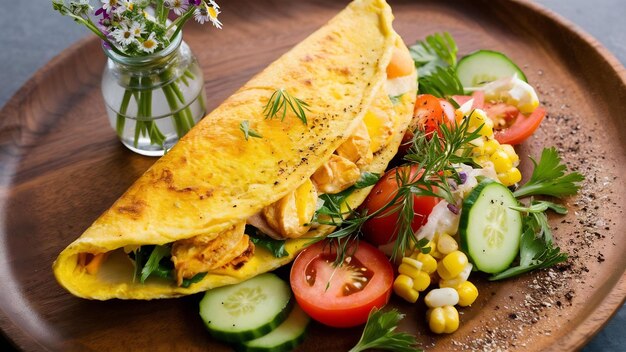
(61, 166)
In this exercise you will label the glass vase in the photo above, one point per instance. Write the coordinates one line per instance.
(153, 100)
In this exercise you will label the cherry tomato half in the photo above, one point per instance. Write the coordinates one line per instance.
(522, 128)
(428, 114)
(381, 229)
(341, 296)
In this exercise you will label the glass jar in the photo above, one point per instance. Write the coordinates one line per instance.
(153, 100)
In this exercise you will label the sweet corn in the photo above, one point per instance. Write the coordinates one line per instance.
(508, 149)
(491, 146)
(443, 319)
(510, 177)
(443, 273)
(446, 244)
(501, 161)
(429, 264)
(421, 281)
(440, 297)
(403, 287)
(454, 263)
(467, 293)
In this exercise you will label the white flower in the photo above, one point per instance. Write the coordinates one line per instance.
(207, 13)
(108, 5)
(150, 44)
(178, 6)
(123, 35)
(214, 4)
(137, 29)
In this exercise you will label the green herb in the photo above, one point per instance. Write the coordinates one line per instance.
(437, 50)
(244, 126)
(443, 83)
(196, 278)
(379, 333)
(367, 179)
(435, 59)
(152, 264)
(280, 101)
(276, 247)
(536, 248)
(541, 206)
(549, 178)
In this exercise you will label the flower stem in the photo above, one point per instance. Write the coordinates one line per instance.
(121, 115)
(179, 22)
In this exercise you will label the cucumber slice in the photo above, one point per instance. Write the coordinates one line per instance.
(484, 66)
(285, 337)
(246, 310)
(490, 231)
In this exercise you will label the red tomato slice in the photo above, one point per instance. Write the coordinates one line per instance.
(341, 296)
(428, 113)
(381, 230)
(522, 128)
(478, 96)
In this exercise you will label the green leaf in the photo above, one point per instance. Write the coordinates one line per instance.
(442, 83)
(437, 50)
(367, 179)
(152, 264)
(196, 278)
(276, 247)
(379, 333)
(280, 101)
(540, 207)
(549, 178)
(395, 99)
(244, 126)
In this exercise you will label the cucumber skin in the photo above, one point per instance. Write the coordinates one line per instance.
(464, 220)
(520, 73)
(284, 347)
(228, 336)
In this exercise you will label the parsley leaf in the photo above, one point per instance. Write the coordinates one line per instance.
(276, 247)
(379, 333)
(244, 126)
(435, 60)
(367, 179)
(541, 206)
(549, 177)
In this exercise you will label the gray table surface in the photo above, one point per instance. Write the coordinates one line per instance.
(32, 35)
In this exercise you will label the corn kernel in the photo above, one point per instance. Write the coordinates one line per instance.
(408, 270)
(421, 281)
(451, 316)
(429, 264)
(446, 244)
(510, 151)
(501, 161)
(440, 297)
(436, 320)
(443, 273)
(491, 146)
(510, 177)
(403, 287)
(454, 263)
(467, 293)
(482, 160)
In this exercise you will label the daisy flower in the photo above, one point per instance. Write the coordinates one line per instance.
(137, 29)
(207, 13)
(178, 6)
(108, 5)
(123, 35)
(150, 44)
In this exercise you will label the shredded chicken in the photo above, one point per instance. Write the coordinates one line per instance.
(357, 147)
(290, 215)
(335, 175)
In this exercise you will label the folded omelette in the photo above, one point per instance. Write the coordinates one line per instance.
(202, 202)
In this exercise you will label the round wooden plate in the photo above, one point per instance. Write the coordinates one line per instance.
(61, 166)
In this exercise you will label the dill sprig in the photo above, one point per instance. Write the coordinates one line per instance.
(280, 101)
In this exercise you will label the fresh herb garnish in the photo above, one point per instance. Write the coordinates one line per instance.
(541, 206)
(536, 248)
(367, 179)
(280, 101)
(379, 333)
(196, 278)
(549, 178)
(152, 264)
(276, 247)
(244, 126)
(435, 58)
(395, 99)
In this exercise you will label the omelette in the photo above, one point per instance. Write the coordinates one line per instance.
(199, 208)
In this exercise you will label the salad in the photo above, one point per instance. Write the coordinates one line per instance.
(451, 207)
